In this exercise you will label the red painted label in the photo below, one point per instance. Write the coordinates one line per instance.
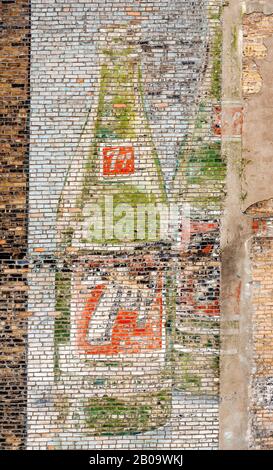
(127, 337)
(118, 160)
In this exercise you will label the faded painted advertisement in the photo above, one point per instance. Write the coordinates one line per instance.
(124, 233)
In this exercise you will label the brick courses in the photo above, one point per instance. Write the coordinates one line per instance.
(180, 56)
(80, 99)
(14, 99)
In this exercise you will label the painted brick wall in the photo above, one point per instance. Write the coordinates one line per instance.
(110, 332)
(138, 86)
(74, 400)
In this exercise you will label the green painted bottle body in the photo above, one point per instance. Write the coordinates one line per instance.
(112, 289)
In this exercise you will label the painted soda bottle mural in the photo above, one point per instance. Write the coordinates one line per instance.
(113, 324)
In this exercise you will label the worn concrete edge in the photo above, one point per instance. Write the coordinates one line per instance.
(235, 357)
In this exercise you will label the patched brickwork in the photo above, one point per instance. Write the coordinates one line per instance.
(257, 28)
(14, 98)
(257, 151)
(261, 415)
(261, 423)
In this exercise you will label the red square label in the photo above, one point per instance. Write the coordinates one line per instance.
(118, 160)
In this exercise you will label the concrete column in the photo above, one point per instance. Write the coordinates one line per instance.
(236, 310)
